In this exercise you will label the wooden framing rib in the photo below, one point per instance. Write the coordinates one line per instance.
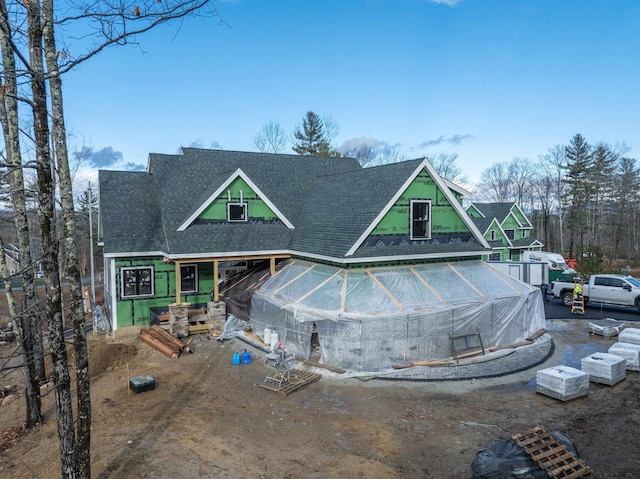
(467, 281)
(295, 279)
(343, 295)
(313, 290)
(422, 280)
(386, 291)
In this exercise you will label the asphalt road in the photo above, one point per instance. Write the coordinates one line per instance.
(554, 309)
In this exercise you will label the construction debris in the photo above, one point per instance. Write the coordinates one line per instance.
(162, 341)
(554, 458)
(294, 379)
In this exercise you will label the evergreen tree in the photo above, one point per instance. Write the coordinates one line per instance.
(312, 137)
(578, 165)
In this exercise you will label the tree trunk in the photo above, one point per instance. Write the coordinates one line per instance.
(83, 449)
(46, 198)
(28, 326)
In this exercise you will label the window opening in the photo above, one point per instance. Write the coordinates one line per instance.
(137, 281)
(420, 219)
(236, 211)
(189, 278)
(511, 234)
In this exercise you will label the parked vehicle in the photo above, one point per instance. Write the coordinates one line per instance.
(558, 267)
(533, 273)
(614, 289)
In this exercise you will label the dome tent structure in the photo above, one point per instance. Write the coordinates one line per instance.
(368, 319)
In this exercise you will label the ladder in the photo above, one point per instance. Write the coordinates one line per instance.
(577, 303)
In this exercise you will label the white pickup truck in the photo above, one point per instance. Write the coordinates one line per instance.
(614, 289)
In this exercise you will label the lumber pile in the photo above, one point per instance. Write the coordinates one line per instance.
(162, 341)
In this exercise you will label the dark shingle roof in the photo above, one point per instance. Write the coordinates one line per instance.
(131, 219)
(330, 201)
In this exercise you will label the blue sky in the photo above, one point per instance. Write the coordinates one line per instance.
(490, 80)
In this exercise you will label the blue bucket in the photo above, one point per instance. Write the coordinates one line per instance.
(236, 358)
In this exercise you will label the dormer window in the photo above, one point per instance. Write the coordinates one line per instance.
(420, 211)
(236, 212)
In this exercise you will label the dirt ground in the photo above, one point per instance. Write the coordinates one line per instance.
(210, 418)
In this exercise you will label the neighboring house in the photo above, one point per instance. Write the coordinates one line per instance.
(14, 262)
(506, 228)
(172, 232)
(12, 257)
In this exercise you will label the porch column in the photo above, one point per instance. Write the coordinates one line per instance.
(178, 281)
(272, 263)
(216, 294)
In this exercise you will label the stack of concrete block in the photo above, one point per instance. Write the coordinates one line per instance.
(216, 315)
(607, 327)
(630, 352)
(630, 336)
(179, 319)
(604, 368)
(562, 382)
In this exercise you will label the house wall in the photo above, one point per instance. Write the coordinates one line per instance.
(140, 310)
(444, 218)
(257, 209)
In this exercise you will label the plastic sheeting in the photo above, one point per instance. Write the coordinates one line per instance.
(370, 319)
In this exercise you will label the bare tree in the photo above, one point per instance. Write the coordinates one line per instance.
(271, 138)
(495, 183)
(28, 325)
(109, 23)
(552, 164)
(445, 165)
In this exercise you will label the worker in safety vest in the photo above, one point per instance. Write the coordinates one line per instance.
(577, 291)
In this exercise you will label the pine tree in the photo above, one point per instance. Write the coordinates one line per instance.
(578, 164)
(312, 138)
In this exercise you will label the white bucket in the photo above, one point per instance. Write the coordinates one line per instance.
(274, 339)
(267, 336)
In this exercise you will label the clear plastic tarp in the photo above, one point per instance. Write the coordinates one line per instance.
(373, 318)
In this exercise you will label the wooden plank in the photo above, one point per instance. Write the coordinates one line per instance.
(199, 328)
(299, 379)
(318, 365)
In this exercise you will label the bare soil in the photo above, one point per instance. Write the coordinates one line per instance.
(210, 418)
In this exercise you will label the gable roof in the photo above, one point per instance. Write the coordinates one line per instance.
(325, 206)
(218, 187)
(501, 211)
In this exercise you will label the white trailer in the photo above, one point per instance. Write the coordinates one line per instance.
(554, 260)
(530, 272)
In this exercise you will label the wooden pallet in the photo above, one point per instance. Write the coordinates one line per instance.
(550, 455)
(298, 379)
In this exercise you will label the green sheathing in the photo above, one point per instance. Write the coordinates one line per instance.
(473, 212)
(256, 207)
(504, 252)
(521, 218)
(137, 311)
(510, 223)
(444, 218)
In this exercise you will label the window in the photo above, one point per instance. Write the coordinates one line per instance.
(494, 257)
(136, 281)
(189, 278)
(617, 283)
(420, 219)
(600, 281)
(236, 211)
(493, 235)
(511, 234)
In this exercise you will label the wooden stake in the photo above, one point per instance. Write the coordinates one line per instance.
(128, 382)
